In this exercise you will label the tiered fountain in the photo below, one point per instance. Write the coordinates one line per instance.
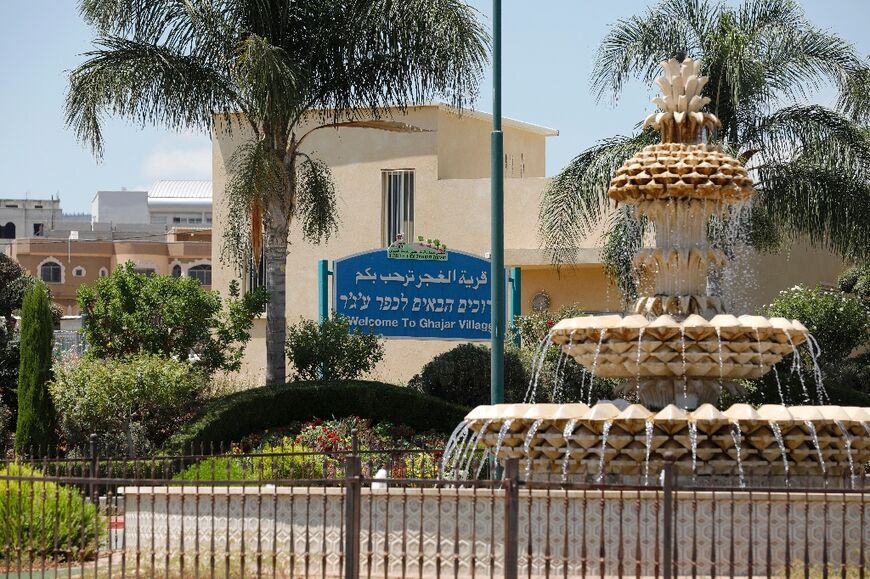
(679, 348)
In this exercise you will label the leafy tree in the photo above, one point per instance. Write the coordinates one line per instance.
(13, 283)
(763, 57)
(329, 346)
(128, 312)
(274, 71)
(36, 417)
(142, 396)
(856, 281)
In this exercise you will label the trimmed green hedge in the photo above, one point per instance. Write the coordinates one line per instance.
(233, 417)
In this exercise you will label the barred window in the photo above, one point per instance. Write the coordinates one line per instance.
(398, 188)
(202, 273)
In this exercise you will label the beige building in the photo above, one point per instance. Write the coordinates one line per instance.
(441, 176)
(65, 264)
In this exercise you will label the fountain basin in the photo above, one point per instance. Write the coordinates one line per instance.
(773, 440)
(687, 361)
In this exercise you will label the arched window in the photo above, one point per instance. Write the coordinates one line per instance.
(7, 231)
(176, 270)
(51, 272)
(202, 273)
(104, 272)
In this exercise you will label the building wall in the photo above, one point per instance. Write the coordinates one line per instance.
(97, 257)
(25, 213)
(120, 207)
(455, 211)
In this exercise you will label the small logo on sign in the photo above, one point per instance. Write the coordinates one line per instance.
(424, 249)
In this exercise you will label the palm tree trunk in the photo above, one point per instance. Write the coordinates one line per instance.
(276, 314)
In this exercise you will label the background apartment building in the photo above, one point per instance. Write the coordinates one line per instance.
(165, 230)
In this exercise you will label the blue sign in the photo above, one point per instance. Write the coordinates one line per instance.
(415, 291)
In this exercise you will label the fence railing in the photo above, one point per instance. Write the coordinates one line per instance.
(85, 518)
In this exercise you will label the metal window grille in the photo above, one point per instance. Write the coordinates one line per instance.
(202, 273)
(50, 272)
(398, 188)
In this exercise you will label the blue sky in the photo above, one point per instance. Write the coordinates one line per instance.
(549, 46)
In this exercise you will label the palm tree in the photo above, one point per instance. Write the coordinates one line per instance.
(811, 163)
(273, 69)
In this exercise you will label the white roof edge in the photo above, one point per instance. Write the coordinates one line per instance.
(481, 115)
(514, 123)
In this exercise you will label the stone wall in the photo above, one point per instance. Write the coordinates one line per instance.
(450, 531)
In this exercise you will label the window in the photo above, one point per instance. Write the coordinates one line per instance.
(38, 229)
(7, 231)
(257, 272)
(398, 187)
(202, 273)
(104, 272)
(149, 271)
(79, 271)
(176, 271)
(51, 272)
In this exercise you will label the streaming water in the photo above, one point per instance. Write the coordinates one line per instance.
(602, 457)
(777, 434)
(812, 429)
(502, 434)
(458, 450)
(466, 457)
(527, 444)
(796, 366)
(637, 360)
(719, 348)
(537, 364)
(683, 355)
(461, 431)
(815, 351)
(566, 434)
(594, 365)
(558, 377)
(847, 439)
(648, 427)
(737, 437)
(693, 439)
(778, 385)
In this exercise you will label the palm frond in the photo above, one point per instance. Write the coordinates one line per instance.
(576, 199)
(316, 200)
(144, 83)
(255, 172)
(635, 46)
(623, 239)
(827, 206)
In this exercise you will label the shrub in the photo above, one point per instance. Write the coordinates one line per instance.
(237, 415)
(36, 417)
(127, 313)
(39, 515)
(533, 327)
(462, 376)
(140, 396)
(329, 346)
(838, 321)
(856, 280)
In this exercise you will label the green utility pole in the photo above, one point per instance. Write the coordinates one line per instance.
(497, 217)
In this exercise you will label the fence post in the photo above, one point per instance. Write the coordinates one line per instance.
(353, 510)
(668, 522)
(511, 517)
(94, 472)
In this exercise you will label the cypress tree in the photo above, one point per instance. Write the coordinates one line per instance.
(36, 417)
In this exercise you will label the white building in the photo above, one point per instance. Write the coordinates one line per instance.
(169, 203)
(28, 217)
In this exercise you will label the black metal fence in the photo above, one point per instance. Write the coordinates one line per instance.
(102, 517)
